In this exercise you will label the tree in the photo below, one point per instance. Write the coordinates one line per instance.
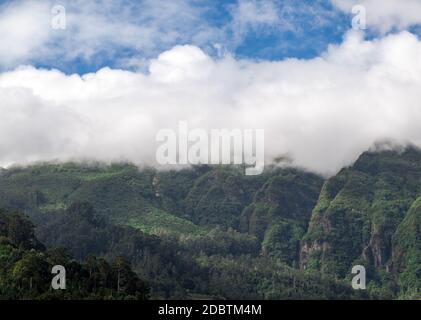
(31, 272)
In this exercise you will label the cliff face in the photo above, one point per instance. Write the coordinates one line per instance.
(368, 213)
(280, 213)
(274, 206)
(406, 254)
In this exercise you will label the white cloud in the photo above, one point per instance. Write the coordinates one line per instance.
(277, 18)
(97, 29)
(323, 112)
(129, 33)
(385, 15)
(180, 63)
(254, 13)
(22, 31)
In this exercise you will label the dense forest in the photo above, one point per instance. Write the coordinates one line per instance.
(212, 232)
(26, 269)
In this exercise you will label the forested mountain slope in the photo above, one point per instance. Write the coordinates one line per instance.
(369, 214)
(286, 233)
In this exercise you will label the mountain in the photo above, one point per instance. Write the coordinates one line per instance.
(280, 212)
(369, 214)
(286, 233)
(185, 201)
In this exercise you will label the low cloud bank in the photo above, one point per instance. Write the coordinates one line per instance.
(322, 112)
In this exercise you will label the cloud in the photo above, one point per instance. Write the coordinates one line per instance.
(386, 15)
(276, 29)
(127, 33)
(98, 30)
(322, 112)
(22, 31)
(251, 15)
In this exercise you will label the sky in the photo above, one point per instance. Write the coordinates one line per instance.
(119, 71)
(126, 34)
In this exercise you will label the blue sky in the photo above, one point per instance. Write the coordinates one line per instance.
(246, 29)
(128, 33)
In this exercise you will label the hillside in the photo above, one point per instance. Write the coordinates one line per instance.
(25, 269)
(286, 233)
(186, 201)
(368, 214)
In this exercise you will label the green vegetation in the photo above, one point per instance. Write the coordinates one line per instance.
(160, 222)
(25, 269)
(214, 232)
(407, 252)
(369, 214)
